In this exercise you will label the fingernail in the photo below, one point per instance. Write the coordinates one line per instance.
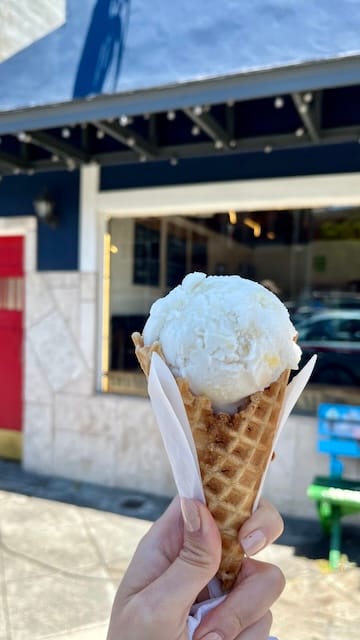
(253, 542)
(190, 514)
(211, 636)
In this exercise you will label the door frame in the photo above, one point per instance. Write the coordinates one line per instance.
(11, 442)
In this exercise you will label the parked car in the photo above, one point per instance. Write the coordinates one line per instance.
(335, 337)
(323, 301)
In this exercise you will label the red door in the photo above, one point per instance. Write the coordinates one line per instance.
(11, 339)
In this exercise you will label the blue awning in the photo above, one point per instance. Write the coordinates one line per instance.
(99, 55)
(127, 81)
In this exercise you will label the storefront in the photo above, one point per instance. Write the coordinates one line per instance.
(122, 170)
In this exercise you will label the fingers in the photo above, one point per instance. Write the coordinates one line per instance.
(155, 551)
(197, 561)
(258, 585)
(258, 631)
(263, 527)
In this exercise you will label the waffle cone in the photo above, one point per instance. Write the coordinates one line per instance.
(233, 452)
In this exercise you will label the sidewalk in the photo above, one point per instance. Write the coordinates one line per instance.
(64, 547)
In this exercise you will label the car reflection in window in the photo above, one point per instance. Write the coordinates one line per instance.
(321, 330)
(335, 339)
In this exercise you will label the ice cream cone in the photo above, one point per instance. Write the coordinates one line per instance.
(233, 452)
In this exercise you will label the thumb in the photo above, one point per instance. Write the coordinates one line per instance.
(198, 559)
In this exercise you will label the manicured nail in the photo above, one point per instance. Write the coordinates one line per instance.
(190, 514)
(253, 542)
(212, 636)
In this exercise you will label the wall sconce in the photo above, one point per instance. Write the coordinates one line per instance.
(44, 207)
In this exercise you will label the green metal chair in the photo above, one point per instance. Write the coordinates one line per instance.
(335, 495)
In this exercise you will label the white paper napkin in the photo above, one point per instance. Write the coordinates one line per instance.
(198, 612)
(176, 433)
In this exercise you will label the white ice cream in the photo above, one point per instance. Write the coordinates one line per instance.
(229, 336)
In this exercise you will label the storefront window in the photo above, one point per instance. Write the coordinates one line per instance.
(310, 258)
(147, 253)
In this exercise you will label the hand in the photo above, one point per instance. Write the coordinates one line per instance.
(175, 561)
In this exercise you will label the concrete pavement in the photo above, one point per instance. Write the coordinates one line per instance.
(64, 547)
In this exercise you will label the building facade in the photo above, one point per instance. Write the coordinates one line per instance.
(137, 146)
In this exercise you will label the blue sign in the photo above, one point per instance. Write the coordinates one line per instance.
(339, 420)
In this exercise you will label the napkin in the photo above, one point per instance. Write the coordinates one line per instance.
(176, 433)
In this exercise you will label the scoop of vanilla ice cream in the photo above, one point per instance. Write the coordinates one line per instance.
(228, 336)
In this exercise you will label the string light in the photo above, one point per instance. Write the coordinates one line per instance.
(24, 137)
(125, 120)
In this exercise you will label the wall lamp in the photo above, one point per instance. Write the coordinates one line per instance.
(44, 207)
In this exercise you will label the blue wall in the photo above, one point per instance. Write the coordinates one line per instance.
(57, 248)
(115, 46)
(305, 161)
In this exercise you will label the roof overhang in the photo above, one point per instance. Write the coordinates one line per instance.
(292, 107)
(338, 72)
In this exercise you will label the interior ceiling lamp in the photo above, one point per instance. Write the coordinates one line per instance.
(232, 216)
(255, 226)
(44, 207)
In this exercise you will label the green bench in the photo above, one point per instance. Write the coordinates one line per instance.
(335, 495)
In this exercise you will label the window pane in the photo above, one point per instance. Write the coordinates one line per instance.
(146, 252)
(177, 240)
(198, 252)
(310, 258)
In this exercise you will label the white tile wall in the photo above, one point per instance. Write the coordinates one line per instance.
(83, 385)
(84, 456)
(88, 436)
(141, 459)
(37, 388)
(56, 349)
(66, 301)
(38, 437)
(87, 331)
(39, 302)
